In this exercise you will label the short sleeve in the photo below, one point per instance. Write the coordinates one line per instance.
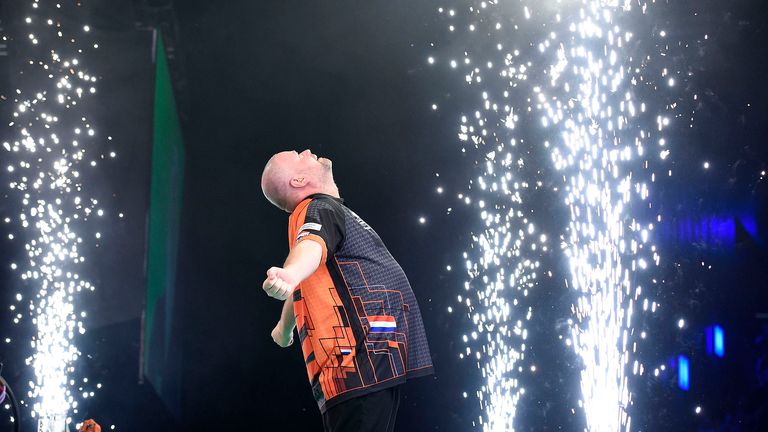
(322, 219)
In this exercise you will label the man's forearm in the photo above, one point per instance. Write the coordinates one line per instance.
(303, 260)
(287, 317)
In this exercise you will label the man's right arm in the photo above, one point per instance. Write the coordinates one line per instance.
(302, 261)
(282, 334)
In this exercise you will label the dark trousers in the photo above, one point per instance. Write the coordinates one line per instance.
(374, 412)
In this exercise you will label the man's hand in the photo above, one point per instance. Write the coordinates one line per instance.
(281, 336)
(279, 283)
(302, 261)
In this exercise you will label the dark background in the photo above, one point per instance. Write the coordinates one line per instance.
(349, 80)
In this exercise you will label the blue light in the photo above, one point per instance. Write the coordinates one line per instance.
(749, 222)
(721, 230)
(719, 341)
(715, 230)
(709, 229)
(716, 341)
(683, 373)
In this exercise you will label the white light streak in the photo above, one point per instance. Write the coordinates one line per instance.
(588, 95)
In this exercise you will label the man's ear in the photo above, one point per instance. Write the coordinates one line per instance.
(298, 182)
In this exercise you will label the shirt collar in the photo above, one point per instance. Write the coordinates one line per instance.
(316, 195)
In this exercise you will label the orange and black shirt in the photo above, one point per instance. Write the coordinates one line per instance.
(359, 325)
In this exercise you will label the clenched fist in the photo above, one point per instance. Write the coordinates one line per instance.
(279, 283)
(281, 336)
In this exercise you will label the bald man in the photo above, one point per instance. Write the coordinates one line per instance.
(358, 321)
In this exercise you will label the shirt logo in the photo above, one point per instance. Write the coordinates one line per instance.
(311, 226)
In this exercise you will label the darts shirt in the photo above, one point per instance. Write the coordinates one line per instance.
(358, 322)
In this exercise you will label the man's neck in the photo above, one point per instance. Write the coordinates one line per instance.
(332, 191)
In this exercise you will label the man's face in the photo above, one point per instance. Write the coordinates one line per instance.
(307, 163)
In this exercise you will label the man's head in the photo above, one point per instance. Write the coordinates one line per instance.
(289, 177)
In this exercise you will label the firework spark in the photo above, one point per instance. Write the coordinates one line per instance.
(53, 137)
(568, 66)
(504, 264)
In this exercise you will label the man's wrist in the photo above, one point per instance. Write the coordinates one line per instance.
(286, 327)
(291, 276)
